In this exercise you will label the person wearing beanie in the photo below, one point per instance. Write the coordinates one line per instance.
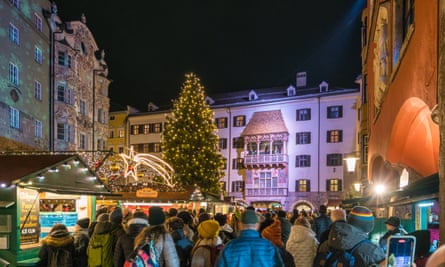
(208, 245)
(302, 243)
(165, 250)
(393, 227)
(101, 210)
(117, 229)
(81, 240)
(322, 222)
(354, 233)
(60, 242)
(249, 249)
(125, 243)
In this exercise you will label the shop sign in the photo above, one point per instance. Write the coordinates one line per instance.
(29, 216)
(147, 193)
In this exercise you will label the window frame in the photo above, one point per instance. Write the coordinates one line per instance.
(239, 121)
(334, 112)
(331, 137)
(334, 159)
(38, 22)
(221, 122)
(303, 161)
(303, 183)
(303, 138)
(38, 55)
(303, 114)
(14, 34)
(37, 90)
(38, 129)
(14, 118)
(14, 74)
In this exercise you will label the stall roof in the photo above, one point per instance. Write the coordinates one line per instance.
(57, 173)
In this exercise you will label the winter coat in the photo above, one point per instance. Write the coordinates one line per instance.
(125, 243)
(384, 239)
(57, 240)
(81, 240)
(285, 229)
(321, 224)
(302, 244)
(201, 256)
(248, 250)
(345, 236)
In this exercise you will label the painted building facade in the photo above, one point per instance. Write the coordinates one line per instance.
(24, 76)
(281, 145)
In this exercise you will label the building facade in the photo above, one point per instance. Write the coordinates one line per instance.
(25, 76)
(80, 87)
(399, 100)
(282, 146)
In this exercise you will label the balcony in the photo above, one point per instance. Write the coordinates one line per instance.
(266, 192)
(266, 160)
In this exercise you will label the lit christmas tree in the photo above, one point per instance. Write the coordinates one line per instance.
(189, 141)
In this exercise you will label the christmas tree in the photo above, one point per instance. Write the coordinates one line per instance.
(190, 142)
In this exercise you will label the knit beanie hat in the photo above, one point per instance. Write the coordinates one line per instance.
(361, 217)
(116, 216)
(156, 216)
(84, 222)
(208, 229)
(249, 217)
(104, 217)
(273, 233)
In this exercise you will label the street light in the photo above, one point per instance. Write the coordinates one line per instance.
(351, 164)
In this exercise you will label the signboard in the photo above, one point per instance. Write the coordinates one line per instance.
(147, 193)
(29, 216)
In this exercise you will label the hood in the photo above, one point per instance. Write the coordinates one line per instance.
(345, 236)
(58, 238)
(102, 227)
(227, 228)
(301, 233)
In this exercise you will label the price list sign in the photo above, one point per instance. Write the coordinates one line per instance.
(29, 216)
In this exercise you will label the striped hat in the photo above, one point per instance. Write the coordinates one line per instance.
(361, 217)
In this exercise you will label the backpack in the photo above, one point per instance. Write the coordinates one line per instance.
(144, 256)
(214, 252)
(184, 248)
(60, 257)
(337, 257)
(99, 250)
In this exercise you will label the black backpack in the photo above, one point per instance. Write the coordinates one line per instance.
(336, 257)
(60, 257)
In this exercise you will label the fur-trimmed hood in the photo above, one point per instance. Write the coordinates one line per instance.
(58, 238)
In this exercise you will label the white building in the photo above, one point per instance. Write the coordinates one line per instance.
(282, 145)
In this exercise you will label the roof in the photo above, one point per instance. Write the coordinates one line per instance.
(58, 173)
(265, 122)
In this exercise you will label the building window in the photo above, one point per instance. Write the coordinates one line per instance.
(265, 180)
(334, 159)
(404, 20)
(154, 148)
(303, 138)
(61, 128)
(70, 96)
(120, 149)
(134, 129)
(224, 163)
(37, 90)
(14, 118)
(364, 149)
(222, 143)
(82, 141)
(38, 57)
(146, 129)
(238, 186)
(61, 58)
(221, 123)
(112, 118)
(65, 132)
(304, 114)
(156, 127)
(111, 134)
(61, 92)
(302, 161)
(333, 185)
(70, 61)
(237, 163)
(38, 22)
(238, 142)
(335, 112)
(13, 74)
(83, 107)
(14, 34)
(121, 133)
(38, 129)
(303, 185)
(239, 121)
(334, 136)
(15, 3)
(100, 115)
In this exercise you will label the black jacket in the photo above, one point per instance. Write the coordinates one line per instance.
(125, 243)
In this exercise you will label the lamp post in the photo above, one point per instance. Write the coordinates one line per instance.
(351, 164)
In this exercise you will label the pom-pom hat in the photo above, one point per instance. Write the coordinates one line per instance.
(156, 216)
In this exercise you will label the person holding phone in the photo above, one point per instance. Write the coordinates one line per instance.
(393, 227)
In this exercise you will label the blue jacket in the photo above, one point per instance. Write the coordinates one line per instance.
(249, 250)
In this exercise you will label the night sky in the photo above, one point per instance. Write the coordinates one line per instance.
(231, 45)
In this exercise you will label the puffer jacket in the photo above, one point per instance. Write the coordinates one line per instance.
(302, 244)
(57, 240)
(248, 250)
(81, 240)
(345, 236)
(125, 244)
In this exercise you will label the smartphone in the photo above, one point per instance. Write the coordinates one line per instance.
(400, 251)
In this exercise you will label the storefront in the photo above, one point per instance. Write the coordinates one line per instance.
(37, 192)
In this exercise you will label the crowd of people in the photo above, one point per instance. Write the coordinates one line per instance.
(180, 238)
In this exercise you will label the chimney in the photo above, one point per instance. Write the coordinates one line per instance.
(301, 79)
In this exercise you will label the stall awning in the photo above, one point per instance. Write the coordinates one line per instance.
(333, 202)
(422, 189)
(62, 174)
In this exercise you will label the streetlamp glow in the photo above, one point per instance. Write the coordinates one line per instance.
(379, 189)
